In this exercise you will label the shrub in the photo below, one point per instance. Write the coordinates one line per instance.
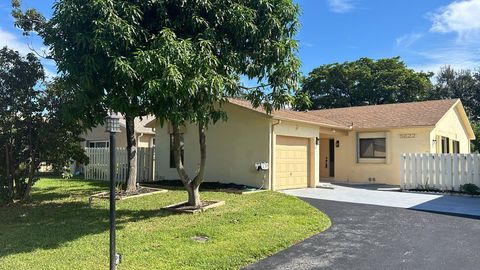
(470, 189)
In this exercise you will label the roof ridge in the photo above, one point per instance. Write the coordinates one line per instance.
(388, 104)
(292, 115)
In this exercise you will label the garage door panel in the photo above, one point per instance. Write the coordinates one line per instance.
(291, 162)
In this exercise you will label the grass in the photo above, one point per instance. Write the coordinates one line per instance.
(59, 230)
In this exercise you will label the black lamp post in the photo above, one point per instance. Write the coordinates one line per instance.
(112, 125)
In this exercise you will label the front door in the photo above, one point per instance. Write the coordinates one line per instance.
(331, 160)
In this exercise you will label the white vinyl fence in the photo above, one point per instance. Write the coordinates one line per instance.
(439, 171)
(98, 167)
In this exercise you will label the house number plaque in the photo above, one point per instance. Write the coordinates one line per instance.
(407, 136)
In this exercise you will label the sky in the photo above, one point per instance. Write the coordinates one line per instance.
(426, 34)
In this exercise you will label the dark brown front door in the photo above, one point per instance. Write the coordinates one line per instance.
(331, 160)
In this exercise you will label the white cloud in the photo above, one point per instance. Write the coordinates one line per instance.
(460, 17)
(456, 56)
(407, 40)
(341, 6)
(453, 39)
(307, 44)
(13, 42)
(21, 45)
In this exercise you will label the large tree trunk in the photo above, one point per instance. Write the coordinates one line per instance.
(9, 175)
(31, 179)
(192, 186)
(131, 154)
(25, 196)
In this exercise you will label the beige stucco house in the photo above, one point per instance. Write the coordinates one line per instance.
(98, 138)
(289, 149)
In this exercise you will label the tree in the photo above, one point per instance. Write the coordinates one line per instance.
(200, 49)
(463, 84)
(20, 114)
(179, 60)
(30, 129)
(61, 131)
(90, 42)
(364, 81)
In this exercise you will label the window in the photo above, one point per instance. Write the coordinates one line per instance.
(445, 145)
(98, 144)
(372, 148)
(456, 147)
(172, 148)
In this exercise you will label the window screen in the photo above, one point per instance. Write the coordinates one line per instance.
(445, 145)
(373, 148)
(98, 144)
(456, 147)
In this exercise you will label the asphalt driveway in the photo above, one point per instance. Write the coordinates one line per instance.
(371, 237)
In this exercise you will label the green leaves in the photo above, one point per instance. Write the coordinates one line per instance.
(33, 128)
(364, 81)
(175, 59)
(463, 84)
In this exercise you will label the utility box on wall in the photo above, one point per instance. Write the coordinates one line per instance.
(261, 166)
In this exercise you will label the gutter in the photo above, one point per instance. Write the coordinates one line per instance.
(311, 123)
(138, 138)
(272, 147)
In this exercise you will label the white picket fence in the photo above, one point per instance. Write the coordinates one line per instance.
(99, 164)
(439, 171)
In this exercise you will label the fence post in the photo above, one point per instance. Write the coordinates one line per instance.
(402, 170)
(408, 171)
(455, 171)
(438, 171)
(425, 169)
(476, 168)
(448, 171)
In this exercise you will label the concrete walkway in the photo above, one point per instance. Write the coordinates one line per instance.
(459, 205)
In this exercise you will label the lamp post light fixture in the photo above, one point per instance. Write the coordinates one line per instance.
(112, 126)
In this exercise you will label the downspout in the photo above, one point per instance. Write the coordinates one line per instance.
(138, 139)
(272, 149)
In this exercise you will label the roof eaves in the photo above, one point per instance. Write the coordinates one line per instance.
(393, 127)
(464, 116)
(151, 123)
(311, 123)
(265, 114)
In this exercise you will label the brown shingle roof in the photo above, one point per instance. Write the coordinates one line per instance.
(425, 113)
(291, 115)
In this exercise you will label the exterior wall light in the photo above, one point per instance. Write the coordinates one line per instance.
(112, 124)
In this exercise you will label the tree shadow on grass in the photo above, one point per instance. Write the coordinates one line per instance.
(59, 192)
(50, 225)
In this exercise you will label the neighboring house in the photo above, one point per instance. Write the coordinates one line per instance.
(99, 138)
(299, 149)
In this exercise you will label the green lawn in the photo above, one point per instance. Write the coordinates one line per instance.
(60, 230)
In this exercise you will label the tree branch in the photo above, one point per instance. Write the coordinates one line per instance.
(254, 87)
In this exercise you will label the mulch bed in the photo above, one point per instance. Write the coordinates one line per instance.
(206, 186)
(184, 208)
(122, 195)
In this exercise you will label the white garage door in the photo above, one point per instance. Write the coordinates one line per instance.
(291, 162)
